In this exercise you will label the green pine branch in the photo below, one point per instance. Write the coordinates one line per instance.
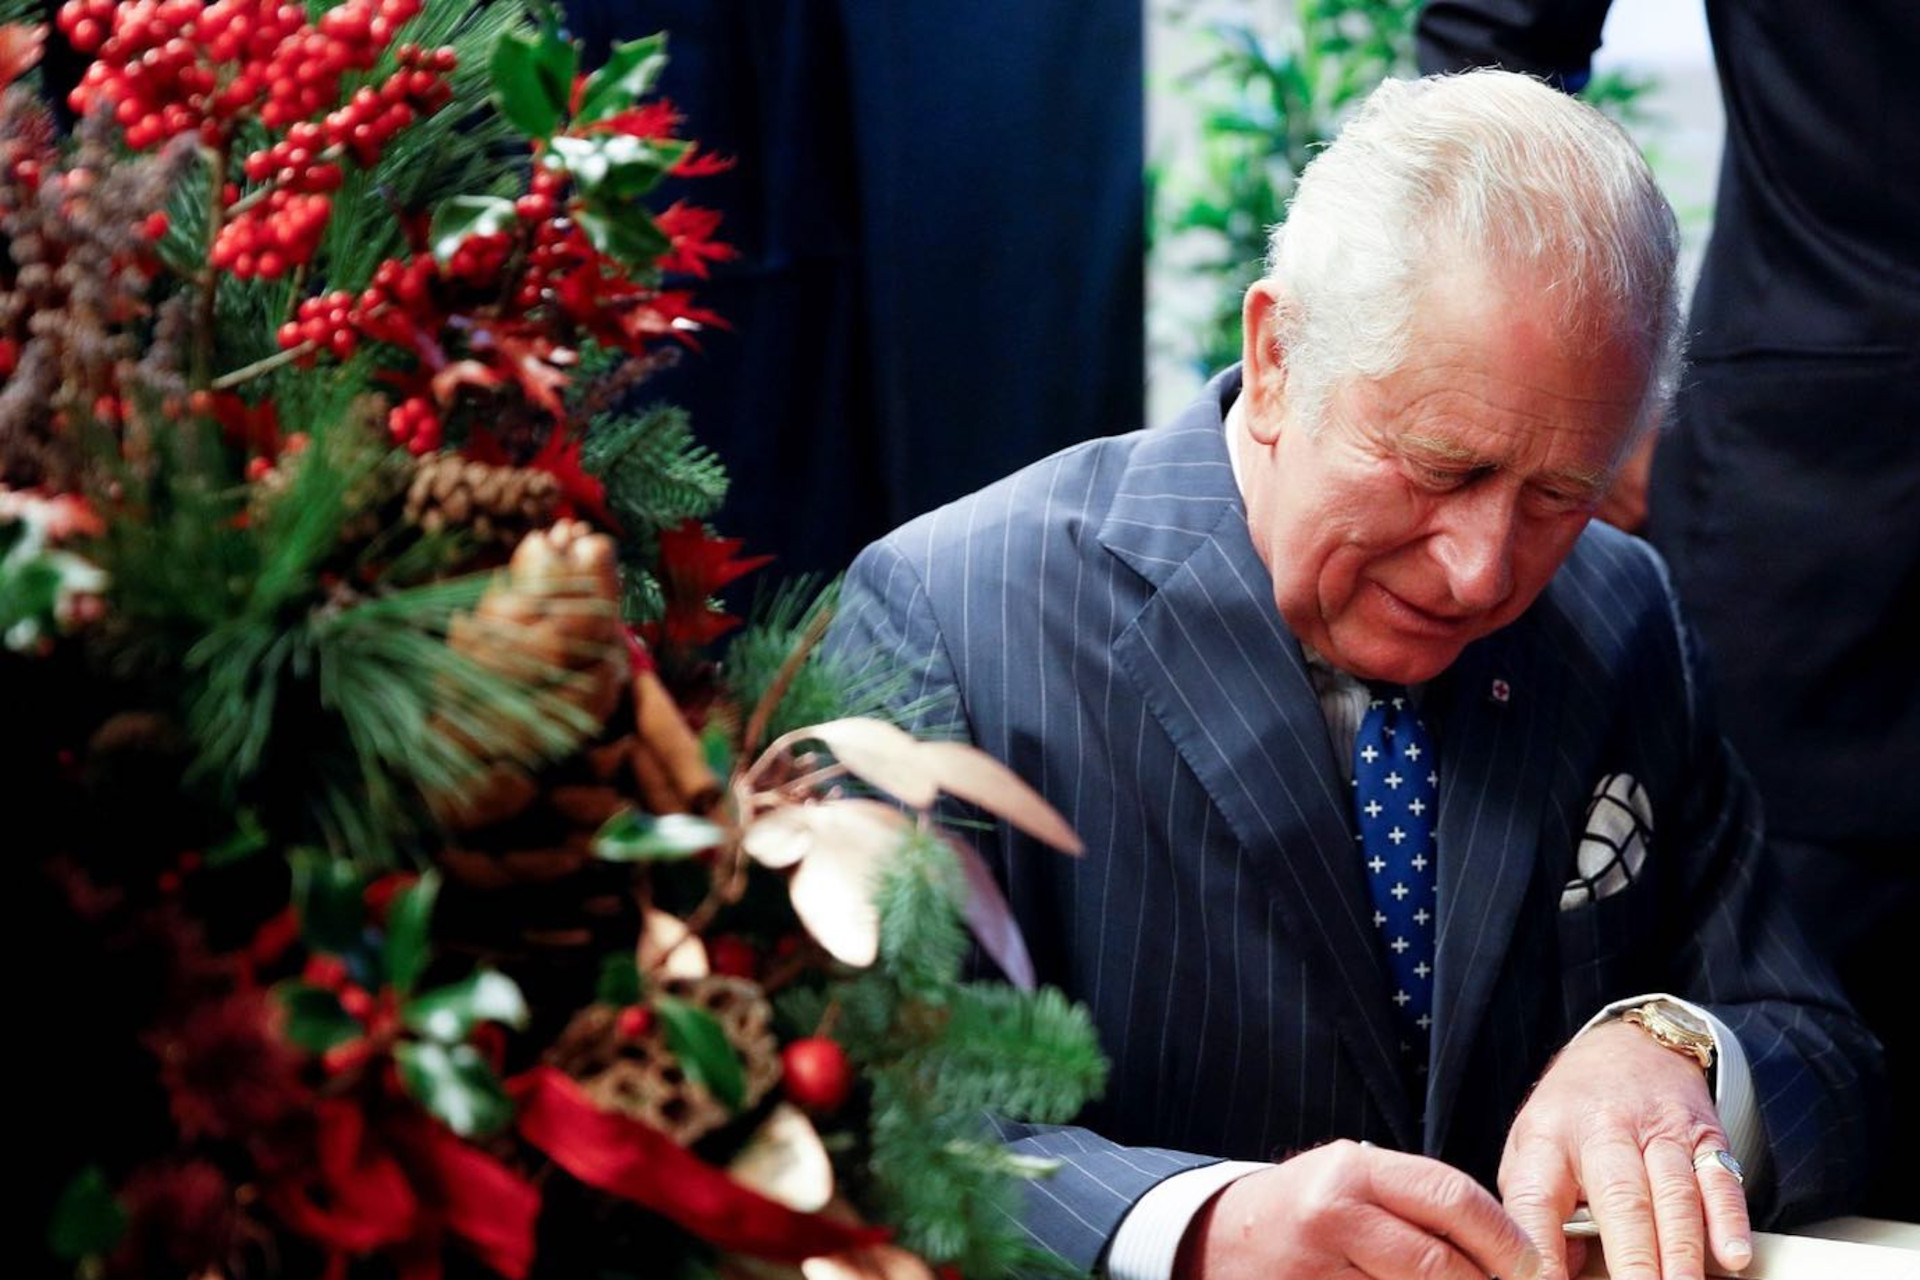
(922, 940)
(656, 474)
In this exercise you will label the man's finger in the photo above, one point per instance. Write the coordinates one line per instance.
(1443, 1201)
(1728, 1228)
(1539, 1190)
(1387, 1246)
(1615, 1176)
(1677, 1212)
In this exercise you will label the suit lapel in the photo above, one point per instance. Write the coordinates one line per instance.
(1212, 661)
(1498, 712)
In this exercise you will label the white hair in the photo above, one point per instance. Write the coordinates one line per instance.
(1489, 171)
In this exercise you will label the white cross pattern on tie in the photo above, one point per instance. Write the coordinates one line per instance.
(1399, 851)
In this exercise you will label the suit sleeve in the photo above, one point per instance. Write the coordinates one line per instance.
(886, 626)
(1553, 39)
(1816, 1071)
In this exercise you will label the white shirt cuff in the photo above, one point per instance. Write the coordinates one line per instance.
(1148, 1241)
(1733, 1094)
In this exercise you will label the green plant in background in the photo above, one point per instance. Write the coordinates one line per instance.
(1264, 106)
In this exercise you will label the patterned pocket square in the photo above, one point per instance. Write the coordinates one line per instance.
(1614, 846)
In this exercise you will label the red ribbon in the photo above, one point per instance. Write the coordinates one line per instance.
(635, 1161)
(401, 1185)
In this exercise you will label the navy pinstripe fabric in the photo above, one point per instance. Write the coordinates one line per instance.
(1101, 622)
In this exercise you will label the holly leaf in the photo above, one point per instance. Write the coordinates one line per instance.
(407, 920)
(450, 1013)
(619, 981)
(455, 1083)
(632, 836)
(462, 216)
(614, 165)
(705, 1053)
(316, 1020)
(628, 236)
(88, 1221)
(627, 75)
(327, 899)
(531, 78)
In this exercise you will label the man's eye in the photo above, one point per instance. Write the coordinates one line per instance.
(1439, 477)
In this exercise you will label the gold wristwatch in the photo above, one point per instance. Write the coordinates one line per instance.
(1676, 1028)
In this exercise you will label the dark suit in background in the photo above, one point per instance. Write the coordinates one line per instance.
(939, 211)
(1101, 622)
(1786, 494)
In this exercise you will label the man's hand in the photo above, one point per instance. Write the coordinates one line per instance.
(1349, 1210)
(1617, 1121)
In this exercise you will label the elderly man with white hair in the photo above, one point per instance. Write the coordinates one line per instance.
(1417, 870)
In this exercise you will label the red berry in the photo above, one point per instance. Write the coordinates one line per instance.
(733, 957)
(818, 1075)
(635, 1020)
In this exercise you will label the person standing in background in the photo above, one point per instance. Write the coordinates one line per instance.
(1785, 492)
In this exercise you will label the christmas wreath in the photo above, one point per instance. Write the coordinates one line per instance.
(470, 907)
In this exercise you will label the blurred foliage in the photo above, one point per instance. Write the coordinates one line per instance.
(1265, 105)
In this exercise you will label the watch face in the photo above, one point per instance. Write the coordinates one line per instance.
(1682, 1019)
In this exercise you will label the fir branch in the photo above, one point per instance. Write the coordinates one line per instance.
(825, 686)
(1027, 1056)
(922, 940)
(946, 1203)
(656, 475)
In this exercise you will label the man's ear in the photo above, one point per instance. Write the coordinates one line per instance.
(1263, 361)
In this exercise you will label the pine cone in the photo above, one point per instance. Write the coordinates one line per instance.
(554, 612)
(639, 1076)
(495, 504)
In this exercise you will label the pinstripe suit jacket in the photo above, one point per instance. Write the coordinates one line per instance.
(1101, 622)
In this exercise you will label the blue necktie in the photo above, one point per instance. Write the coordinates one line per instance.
(1396, 786)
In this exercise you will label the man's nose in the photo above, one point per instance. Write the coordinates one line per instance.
(1475, 548)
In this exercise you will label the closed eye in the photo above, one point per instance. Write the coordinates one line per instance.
(1441, 479)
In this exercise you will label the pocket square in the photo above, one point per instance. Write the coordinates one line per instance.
(1613, 848)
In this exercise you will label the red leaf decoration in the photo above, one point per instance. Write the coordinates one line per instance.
(692, 247)
(694, 566)
(623, 1157)
(581, 493)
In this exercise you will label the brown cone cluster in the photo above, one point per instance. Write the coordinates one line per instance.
(495, 504)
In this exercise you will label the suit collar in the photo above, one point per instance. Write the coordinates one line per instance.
(1212, 660)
